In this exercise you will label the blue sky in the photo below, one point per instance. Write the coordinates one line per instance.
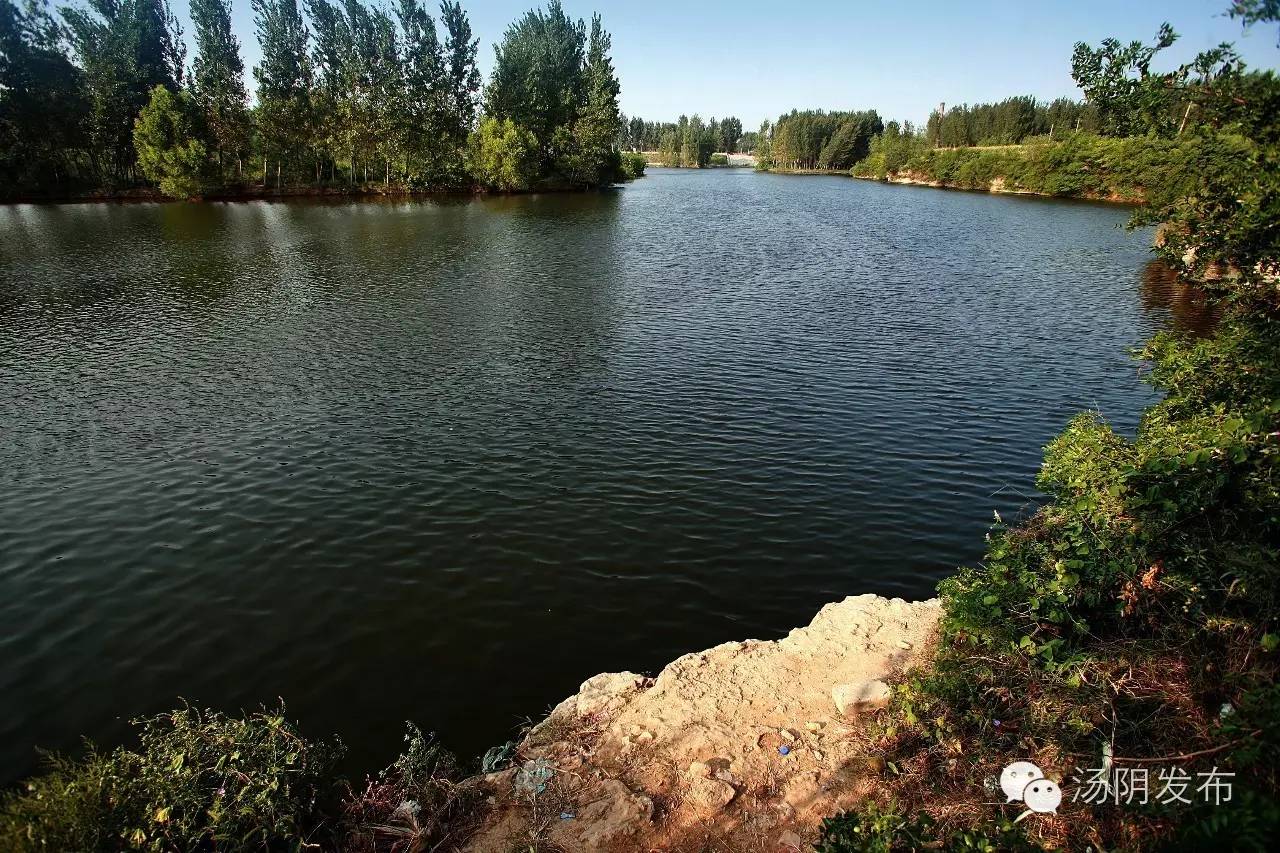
(758, 59)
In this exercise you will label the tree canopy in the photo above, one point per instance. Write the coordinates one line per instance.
(346, 94)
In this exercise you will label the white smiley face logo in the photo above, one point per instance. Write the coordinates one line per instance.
(1014, 778)
(1042, 795)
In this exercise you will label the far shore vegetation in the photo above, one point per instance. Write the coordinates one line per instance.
(1132, 622)
(97, 98)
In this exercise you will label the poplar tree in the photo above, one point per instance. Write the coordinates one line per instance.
(125, 49)
(462, 77)
(599, 121)
(537, 79)
(423, 109)
(284, 81)
(330, 54)
(217, 78)
(41, 99)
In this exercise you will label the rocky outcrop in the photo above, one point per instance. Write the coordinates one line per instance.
(746, 743)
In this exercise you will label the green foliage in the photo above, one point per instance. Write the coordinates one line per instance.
(503, 156)
(889, 152)
(42, 101)
(1117, 79)
(167, 137)
(1008, 122)
(697, 141)
(718, 160)
(198, 780)
(217, 76)
(558, 84)
(124, 50)
(409, 805)
(1081, 165)
(284, 81)
(873, 829)
(819, 140)
(632, 166)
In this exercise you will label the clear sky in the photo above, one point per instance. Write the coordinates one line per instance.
(756, 59)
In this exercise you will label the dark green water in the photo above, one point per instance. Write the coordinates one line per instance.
(442, 462)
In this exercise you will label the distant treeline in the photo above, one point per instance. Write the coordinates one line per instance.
(1123, 100)
(1009, 122)
(687, 142)
(99, 97)
(814, 139)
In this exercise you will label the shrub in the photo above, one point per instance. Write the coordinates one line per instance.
(719, 160)
(502, 155)
(166, 137)
(632, 165)
(872, 829)
(1080, 165)
(199, 780)
(408, 805)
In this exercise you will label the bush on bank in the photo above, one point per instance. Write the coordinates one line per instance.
(1083, 165)
(201, 780)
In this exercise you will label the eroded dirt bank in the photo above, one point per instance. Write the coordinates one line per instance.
(745, 746)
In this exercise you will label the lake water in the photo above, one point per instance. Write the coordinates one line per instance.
(442, 461)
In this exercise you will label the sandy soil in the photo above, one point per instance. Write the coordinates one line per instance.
(745, 746)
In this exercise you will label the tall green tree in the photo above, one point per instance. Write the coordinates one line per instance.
(730, 133)
(462, 76)
(125, 49)
(537, 78)
(1116, 79)
(331, 54)
(41, 102)
(217, 78)
(284, 82)
(424, 110)
(597, 124)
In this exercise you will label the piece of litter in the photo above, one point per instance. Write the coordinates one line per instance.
(566, 815)
(533, 775)
(784, 750)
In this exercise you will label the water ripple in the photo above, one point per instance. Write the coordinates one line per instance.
(441, 461)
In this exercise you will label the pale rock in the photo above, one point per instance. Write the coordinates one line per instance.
(607, 693)
(860, 696)
(791, 840)
(710, 795)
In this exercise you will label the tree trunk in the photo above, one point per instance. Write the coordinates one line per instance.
(1185, 115)
(278, 175)
(264, 171)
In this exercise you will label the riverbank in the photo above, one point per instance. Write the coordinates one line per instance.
(258, 193)
(1083, 166)
(744, 746)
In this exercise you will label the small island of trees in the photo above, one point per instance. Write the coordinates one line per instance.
(348, 98)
